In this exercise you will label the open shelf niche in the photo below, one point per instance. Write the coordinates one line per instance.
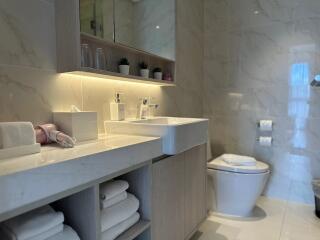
(69, 40)
(83, 212)
(140, 186)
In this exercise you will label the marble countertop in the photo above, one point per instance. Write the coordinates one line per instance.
(30, 181)
(52, 154)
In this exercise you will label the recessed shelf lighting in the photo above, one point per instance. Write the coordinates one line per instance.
(116, 77)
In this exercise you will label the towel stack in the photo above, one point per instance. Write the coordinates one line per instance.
(119, 209)
(238, 160)
(40, 224)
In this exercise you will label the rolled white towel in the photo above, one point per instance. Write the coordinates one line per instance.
(238, 160)
(31, 224)
(67, 234)
(14, 134)
(112, 201)
(114, 215)
(113, 232)
(111, 189)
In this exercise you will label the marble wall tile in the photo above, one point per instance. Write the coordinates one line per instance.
(29, 94)
(260, 57)
(28, 34)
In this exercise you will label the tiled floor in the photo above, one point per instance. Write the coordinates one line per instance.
(282, 221)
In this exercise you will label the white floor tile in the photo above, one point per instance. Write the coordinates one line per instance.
(300, 223)
(281, 221)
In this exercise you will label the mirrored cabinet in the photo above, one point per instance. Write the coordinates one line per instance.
(128, 40)
(97, 18)
(148, 25)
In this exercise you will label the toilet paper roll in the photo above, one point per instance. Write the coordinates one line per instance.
(265, 125)
(265, 141)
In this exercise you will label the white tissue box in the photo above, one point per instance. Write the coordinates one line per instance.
(80, 125)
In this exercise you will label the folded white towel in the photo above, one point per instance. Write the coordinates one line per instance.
(238, 160)
(51, 232)
(14, 134)
(114, 232)
(112, 216)
(67, 234)
(110, 189)
(6, 235)
(33, 223)
(112, 201)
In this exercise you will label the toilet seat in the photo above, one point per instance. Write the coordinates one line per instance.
(219, 164)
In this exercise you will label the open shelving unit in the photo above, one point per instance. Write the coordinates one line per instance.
(69, 40)
(140, 185)
(82, 209)
(91, 72)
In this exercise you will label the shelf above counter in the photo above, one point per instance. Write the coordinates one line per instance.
(91, 72)
(115, 51)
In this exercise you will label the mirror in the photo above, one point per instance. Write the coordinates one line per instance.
(147, 25)
(97, 18)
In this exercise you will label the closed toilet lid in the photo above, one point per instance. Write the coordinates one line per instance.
(219, 164)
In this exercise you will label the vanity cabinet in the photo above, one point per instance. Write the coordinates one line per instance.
(195, 177)
(168, 198)
(179, 194)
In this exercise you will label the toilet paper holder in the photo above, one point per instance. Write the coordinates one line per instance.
(265, 141)
(265, 125)
(258, 139)
(258, 124)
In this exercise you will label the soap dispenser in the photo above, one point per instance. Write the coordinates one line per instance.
(117, 109)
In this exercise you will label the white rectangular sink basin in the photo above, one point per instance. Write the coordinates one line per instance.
(178, 134)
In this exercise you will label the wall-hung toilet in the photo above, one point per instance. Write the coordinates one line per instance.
(234, 186)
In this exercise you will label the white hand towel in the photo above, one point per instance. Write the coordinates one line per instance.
(238, 160)
(112, 216)
(67, 234)
(33, 223)
(14, 134)
(110, 189)
(114, 232)
(112, 201)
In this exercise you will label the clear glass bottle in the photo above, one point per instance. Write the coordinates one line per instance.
(100, 59)
(86, 56)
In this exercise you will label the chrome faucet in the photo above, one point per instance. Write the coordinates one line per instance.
(152, 108)
(146, 109)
